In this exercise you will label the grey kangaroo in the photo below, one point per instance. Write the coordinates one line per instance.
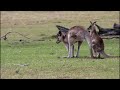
(97, 42)
(70, 36)
(62, 37)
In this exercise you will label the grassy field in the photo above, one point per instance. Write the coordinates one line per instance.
(41, 58)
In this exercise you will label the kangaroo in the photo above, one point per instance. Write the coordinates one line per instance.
(63, 37)
(70, 36)
(97, 42)
(78, 34)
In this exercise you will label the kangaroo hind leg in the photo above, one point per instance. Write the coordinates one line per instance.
(79, 44)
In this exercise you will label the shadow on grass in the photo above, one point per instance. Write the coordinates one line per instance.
(87, 57)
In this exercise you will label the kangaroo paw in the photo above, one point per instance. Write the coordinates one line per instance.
(69, 57)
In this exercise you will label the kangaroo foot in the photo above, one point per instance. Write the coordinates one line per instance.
(70, 57)
(76, 56)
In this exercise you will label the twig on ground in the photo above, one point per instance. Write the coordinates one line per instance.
(5, 36)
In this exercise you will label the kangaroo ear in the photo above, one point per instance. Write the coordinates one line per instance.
(95, 22)
(62, 29)
(90, 22)
(58, 27)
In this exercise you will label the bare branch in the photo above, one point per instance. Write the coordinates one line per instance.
(5, 36)
(110, 37)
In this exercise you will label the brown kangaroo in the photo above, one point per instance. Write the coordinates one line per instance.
(62, 37)
(97, 42)
(73, 35)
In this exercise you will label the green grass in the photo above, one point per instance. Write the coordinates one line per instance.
(44, 62)
(44, 58)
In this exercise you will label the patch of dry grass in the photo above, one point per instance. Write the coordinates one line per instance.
(11, 18)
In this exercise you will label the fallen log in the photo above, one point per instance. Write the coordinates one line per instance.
(110, 37)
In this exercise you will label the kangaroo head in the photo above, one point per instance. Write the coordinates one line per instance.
(61, 35)
(92, 28)
(92, 25)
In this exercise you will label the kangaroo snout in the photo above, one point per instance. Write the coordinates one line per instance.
(57, 42)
